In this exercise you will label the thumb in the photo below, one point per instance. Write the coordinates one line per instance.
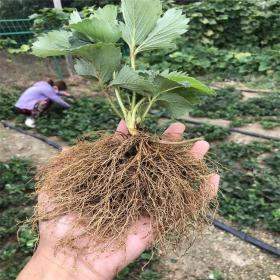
(174, 132)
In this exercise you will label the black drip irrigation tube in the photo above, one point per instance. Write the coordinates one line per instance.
(39, 137)
(247, 238)
(241, 235)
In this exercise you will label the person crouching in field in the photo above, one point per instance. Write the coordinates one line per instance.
(38, 98)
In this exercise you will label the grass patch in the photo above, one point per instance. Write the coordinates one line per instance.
(136, 271)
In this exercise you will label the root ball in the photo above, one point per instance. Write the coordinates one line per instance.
(109, 184)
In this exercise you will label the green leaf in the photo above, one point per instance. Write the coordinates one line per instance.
(164, 84)
(109, 12)
(85, 68)
(23, 49)
(169, 27)
(129, 79)
(77, 40)
(188, 94)
(192, 84)
(140, 17)
(74, 17)
(101, 27)
(176, 105)
(53, 43)
(104, 60)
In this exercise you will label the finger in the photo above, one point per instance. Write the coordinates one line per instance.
(174, 132)
(139, 239)
(122, 128)
(200, 148)
(213, 184)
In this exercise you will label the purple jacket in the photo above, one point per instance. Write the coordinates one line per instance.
(38, 92)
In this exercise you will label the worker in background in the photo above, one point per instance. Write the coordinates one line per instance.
(39, 97)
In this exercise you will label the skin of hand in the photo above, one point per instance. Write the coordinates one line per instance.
(65, 93)
(47, 263)
(61, 92)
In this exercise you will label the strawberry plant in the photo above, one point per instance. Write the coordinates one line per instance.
(119, 180)
(99, 57)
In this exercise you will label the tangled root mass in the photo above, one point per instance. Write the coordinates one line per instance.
(109, 184)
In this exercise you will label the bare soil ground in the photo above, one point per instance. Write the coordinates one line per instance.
(220, 251)
(23, 70)
(15, 144)
(18, 71)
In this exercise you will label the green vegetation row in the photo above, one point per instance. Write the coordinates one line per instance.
(94, 114)
(217, 63)
(215, 23)
(233, 39)
(243, 23)
(81, 123)
(228, 104)
(227, 39)
(250, 178)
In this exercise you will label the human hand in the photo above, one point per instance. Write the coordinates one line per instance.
(72, 264)
(65, 93)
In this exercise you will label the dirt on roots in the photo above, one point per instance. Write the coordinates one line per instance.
(111, 183)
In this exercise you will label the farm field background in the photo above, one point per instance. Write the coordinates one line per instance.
(231, 45)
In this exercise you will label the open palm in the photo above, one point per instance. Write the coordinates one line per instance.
(93, 265)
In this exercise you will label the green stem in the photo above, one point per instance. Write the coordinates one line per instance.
(133, 65)
(133, 58)
(147, 110)
(112, 104)
(170, 89)
(131, 118)
(119, 99)
(137, 107)
(133, 102)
